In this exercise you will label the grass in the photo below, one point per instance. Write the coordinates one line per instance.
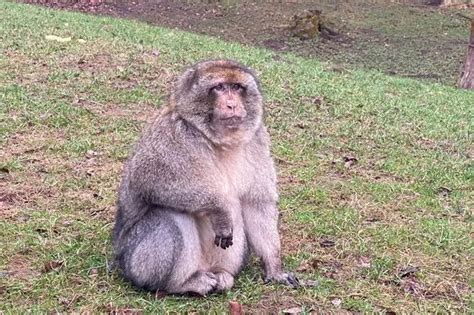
(375, 172)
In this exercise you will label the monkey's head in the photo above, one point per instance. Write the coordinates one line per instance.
(221, 98)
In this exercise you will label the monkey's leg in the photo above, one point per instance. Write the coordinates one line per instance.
(164, 253)
(150, 249)
(261, 226)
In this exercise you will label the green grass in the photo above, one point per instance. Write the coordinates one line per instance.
(70, 112)
(422, 42)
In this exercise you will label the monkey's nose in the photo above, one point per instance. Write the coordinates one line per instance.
(230, 105)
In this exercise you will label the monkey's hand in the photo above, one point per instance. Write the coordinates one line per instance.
(286, 278)
(222, 225)
(223, 240)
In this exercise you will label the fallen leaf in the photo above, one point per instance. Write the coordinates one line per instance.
(64, 301)
(90, 154)
(327, 243)
(235, 308)
(309, 283)
(364, 262)
(310, 264)
(90, 172)
(444, 192)
(349, 160)
(58, 39)
(67, 222)
(408, 271)
(53, 265)
(93, 273)
(293, 310)
(318, 100)
(22, 218)
(301, 125)
(111, 310)
(336, 302)
(42, 231)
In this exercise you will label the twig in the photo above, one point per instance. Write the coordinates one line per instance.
(465, 16)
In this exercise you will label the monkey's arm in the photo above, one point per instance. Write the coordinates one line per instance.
(261, 227)
(183, 192)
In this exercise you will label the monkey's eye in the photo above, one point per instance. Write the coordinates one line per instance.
(219, 87)
(236, 86)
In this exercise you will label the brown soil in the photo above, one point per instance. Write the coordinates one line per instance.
(267, 24)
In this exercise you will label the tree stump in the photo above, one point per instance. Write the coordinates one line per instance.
(467, 76)
(306, 24)
(310, 24)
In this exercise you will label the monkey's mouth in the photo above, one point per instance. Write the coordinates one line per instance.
(231, 121)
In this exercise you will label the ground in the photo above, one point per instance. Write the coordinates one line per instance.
(425, 42)
(375, 171)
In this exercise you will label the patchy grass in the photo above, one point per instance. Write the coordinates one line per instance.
(375, 172)
(424, 42)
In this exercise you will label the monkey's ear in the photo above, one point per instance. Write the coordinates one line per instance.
(187, 79)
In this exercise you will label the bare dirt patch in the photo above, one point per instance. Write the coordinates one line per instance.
(141, 113)
(24, 187)
(359, 41)
(20, 268)
(25, 70)
(14, 196)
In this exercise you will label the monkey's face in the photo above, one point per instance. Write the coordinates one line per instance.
(220, 95)
(228, 108)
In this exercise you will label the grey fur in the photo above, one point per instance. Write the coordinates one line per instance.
(190, 185)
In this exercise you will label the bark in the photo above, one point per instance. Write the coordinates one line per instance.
(467, 76)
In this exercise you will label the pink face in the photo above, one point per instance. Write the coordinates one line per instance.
(228, 103)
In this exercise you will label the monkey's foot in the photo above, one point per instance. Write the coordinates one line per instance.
(286, 278)
(201, 283)
(225, 281)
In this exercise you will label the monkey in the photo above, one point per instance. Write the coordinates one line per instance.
(198, 192)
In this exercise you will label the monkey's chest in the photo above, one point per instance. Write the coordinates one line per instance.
(235, 175)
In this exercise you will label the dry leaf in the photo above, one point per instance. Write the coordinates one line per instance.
(349, 160)
(309, 283)
(53, 265)
(123, 311)
(444, 192)
(293, 310)
(93, 273)
(364, 262)
(408, 271)
(311, 264)
(327, 243)
(91, 154)
(336, 302)
(235, 308)
(58, 39)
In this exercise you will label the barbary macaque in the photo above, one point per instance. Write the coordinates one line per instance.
(199, 191)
